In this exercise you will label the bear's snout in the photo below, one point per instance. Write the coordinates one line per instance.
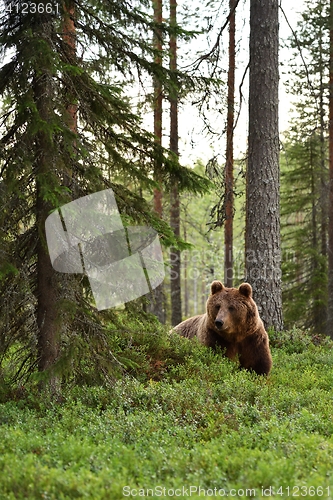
(218, 323)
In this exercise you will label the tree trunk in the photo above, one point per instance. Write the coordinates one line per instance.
(330, 199)
(320, 308)
(158, 100)
(48, 326)
(186, 277)
(48, 281)
(157, 302)
(263, 253)
(175, 262)
(69, 37)
(229, 167)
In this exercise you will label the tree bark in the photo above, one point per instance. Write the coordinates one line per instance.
(48, 327)
(175, 262)
(320, 308)
(48, 281)
(157, 301)
(69, 37)
(185, 265)
(229, 167)
(158, 104)
(263, 252)
(330, 195)
(71, 108)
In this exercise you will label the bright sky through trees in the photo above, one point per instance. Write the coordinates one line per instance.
(193, 143)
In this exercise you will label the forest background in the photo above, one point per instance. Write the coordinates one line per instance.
(107, 404)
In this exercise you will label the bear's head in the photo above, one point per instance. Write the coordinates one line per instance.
(232, 312)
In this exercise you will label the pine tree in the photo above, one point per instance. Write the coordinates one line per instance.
(175, 259)
(229, 167)
(329, 329)
(263, 255)
(156, 297)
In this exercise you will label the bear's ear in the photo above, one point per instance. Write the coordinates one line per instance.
(245, 289)
(216, 286)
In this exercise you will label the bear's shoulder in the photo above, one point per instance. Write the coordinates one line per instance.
(190, 327)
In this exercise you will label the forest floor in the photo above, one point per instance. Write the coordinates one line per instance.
(201, 428)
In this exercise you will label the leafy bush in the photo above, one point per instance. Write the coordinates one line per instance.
(297, 340)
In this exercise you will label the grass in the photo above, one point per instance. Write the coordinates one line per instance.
(190, 424)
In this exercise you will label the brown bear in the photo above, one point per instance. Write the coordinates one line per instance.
(232, 321)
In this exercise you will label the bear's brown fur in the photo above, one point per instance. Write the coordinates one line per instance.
(232, 321)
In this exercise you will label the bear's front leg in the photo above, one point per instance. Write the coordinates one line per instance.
(254, 354)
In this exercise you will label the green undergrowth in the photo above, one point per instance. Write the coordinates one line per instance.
(185, 422)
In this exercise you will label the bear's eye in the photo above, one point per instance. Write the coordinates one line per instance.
(217, 307)
(231, 308)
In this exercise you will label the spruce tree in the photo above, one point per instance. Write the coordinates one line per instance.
(45, 162)
(304, 264)
(305, 176)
